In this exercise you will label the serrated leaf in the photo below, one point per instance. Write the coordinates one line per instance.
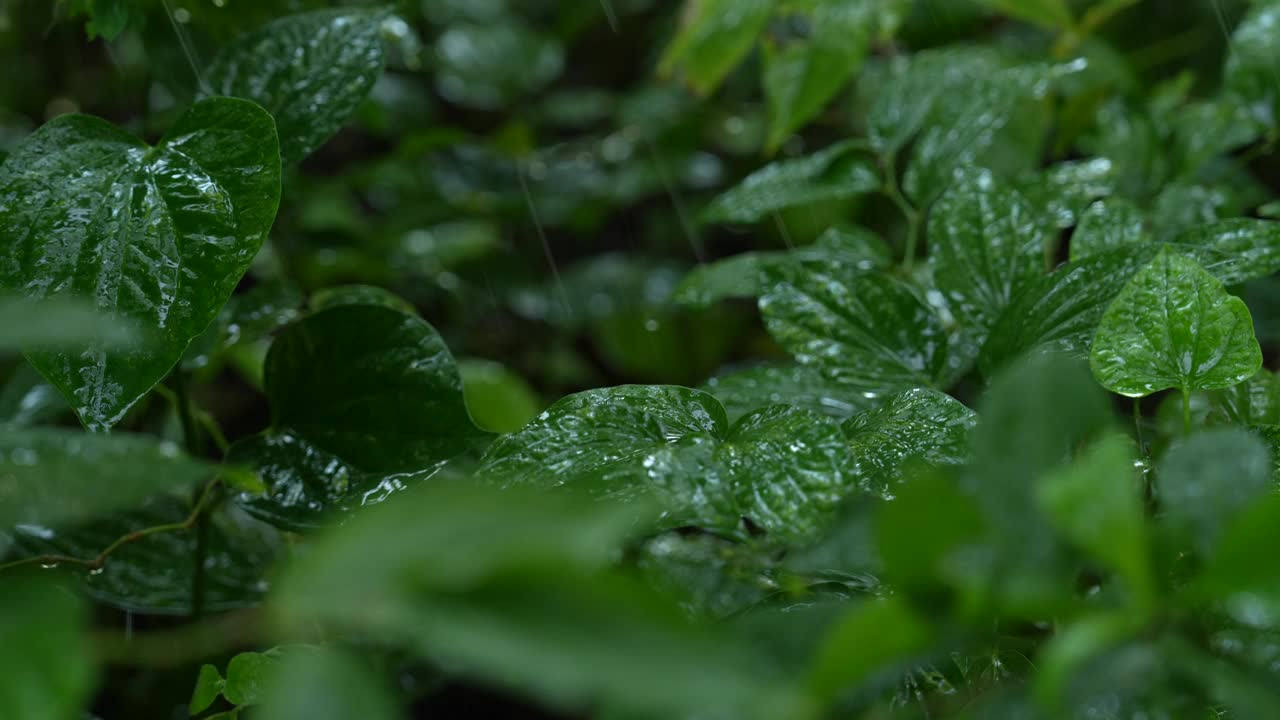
(158, 236)
(1174, 326)
(1207, 480)
(916, 426)
(45, 655)
(155, 574)
(714, 36)
(1107, 225)
(839, 172)
(987, 245)
(51, 477)
(365, 401)
(310, 71)
(867, 330)
(1097, 503)
(801, 75)
(746, 390)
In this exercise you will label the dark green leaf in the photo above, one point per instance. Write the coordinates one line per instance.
(246, 319)
(1174, 326)
(61, 324)
(913, 426)
(922, 531)
(156, 235)
(310, 71)
(798, 385)
(1234, 250)
(26, 399)
(1255, 401)
(987, 245)
(871, 638)
(1106, 225)
(498, 399)
(487, 66)
(714, 36)
(1060, 193)
(901, 109)
(1051, 14)
(839, 172)
(365, 400)
(867, 330)
(1207, 480)
(53, 477)
(1253, 57)
(45, 656)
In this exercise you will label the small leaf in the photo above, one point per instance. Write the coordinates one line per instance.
(1209, 479)
(310, 71)
(51, 477)
(914, 426)
(838, 172)
(328, 685)
(45, 656)
(871, 638)
(987, 246)
(250, 674)
(1174, 326)
(209, 685)
(714, 36)
(158, 236)
(498, 399)
(867, 330)
(365, 400)
(1106, 225)
(1097, 503)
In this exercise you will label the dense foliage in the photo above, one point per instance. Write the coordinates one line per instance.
(607, 358)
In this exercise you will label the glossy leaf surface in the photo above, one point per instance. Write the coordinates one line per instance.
(1106, 225)
(838, 172)
(916, 426)
(158, 236)
(798, 385)
(713, 37)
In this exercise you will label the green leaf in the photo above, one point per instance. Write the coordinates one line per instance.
(913, 426)
(499, 400)
(250, 674)
(1250, 590)
(921, 532)
(310, 71)
(209, 685)
(1097, 502)
(60, 324)
(155, 574)
(779, 466)
(714, 35)
(1252, 58)
(987, 246)
(1106, 225)
(51, 477)
(246, 319)
(801, 75)
(747, 275)
(365, 401)
(155, 235)
(27, 400)
(45, 656)
(1060, 193)
(327, 685)
(797, 385)
(492, 65)
(1174, 326)
(1255, 401)
(1050, 14)
(1234, 250)
(872, 638)
(839, 172)
(867, 330)
(915, 85)
(1209, 479)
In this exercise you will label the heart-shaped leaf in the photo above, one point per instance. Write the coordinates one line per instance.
(1174, 326)
(914, 426)
(987, 245)
(868, 330)
(156, 235)
(365, 400)
(310, 71)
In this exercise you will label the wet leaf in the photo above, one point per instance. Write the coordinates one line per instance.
(1234, 250)
(365, 401)
(51, 477)
(916, 426)
(1174, 326)
(987, 246)
(45, 656)
(839, 172)
(310, 71)
(1106, 225)
(158, 236)
(714, 35)
(742, 391)
(1060, 193)
(866, 330)
(1255, 401)
(1206, 481)
(906, 102)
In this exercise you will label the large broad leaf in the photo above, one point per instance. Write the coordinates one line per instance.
(327, 685)
(1255, 401)
(365, 400)
(801, 75)
(157, 235)
(51, 477)
(156, 574)
(868, 330)
(987, 245)
(510, 586)
(45, 656)
(1208, 480)
(911, 427)
(714, 36)
(1234, 250)
(1106, 225)
(778, 466)
(742, 391)
(839, 172)
(1174, 326)
(310, 71)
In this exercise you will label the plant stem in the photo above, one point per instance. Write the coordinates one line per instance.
(195, 447)
(909, 211)
(1186, 411)
(1137, 424)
